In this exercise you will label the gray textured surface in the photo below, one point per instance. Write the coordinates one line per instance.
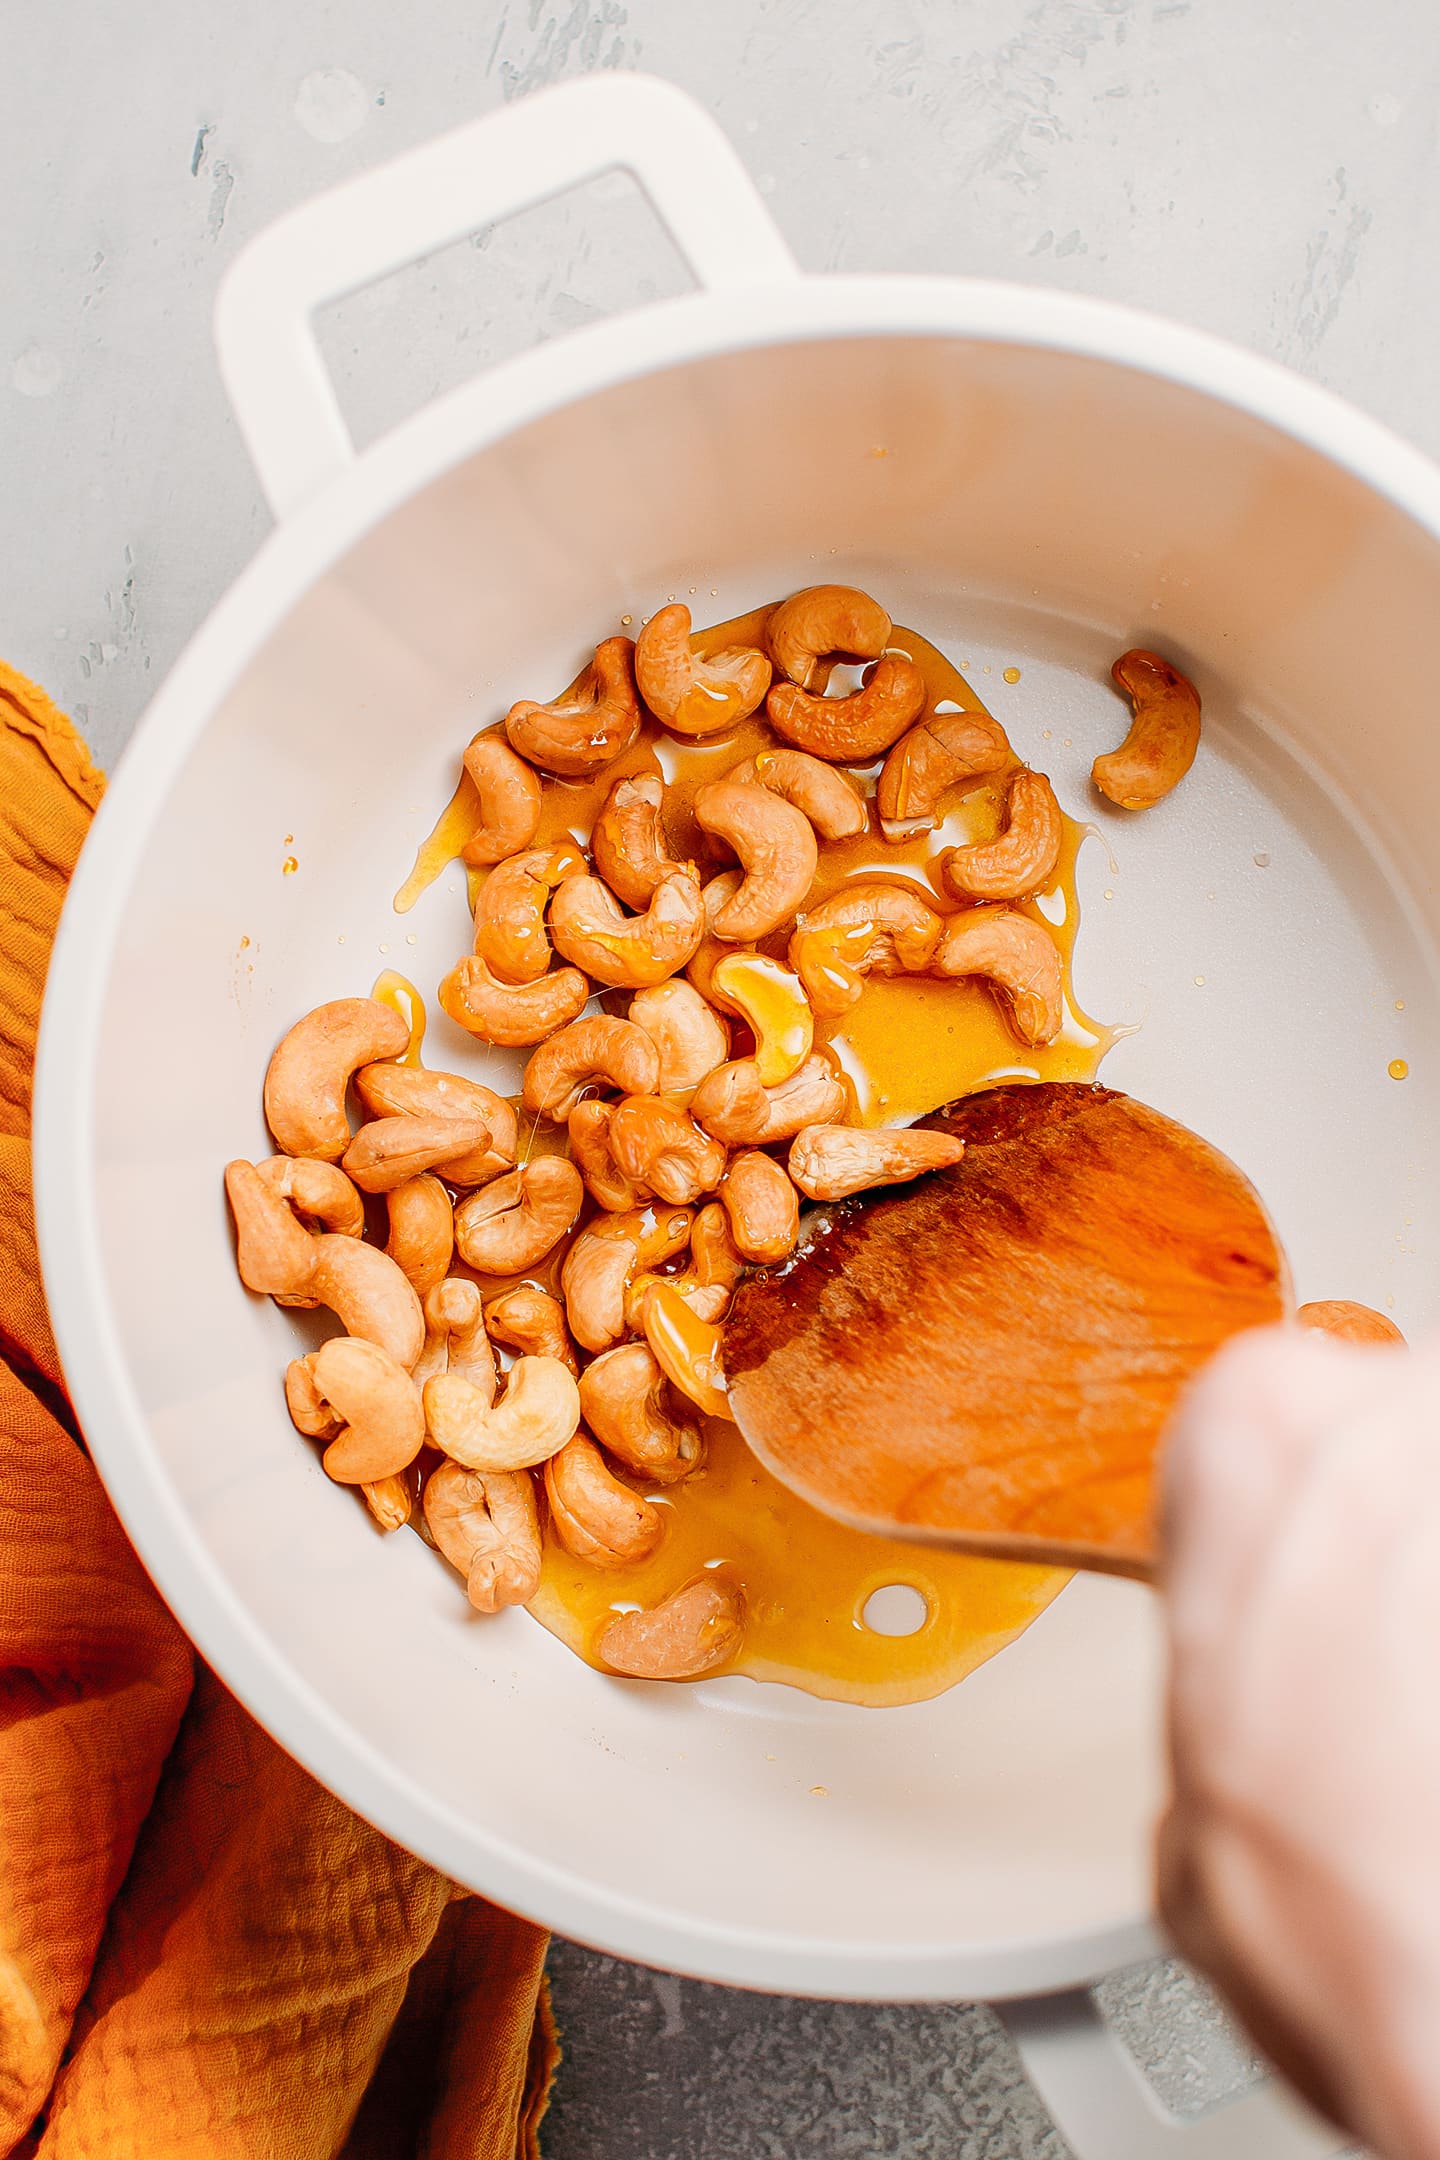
(1261, 168)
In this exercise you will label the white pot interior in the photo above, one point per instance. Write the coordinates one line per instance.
(1271, 925)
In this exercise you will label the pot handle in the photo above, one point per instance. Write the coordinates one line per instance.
(1105, 2109)
(362, 230)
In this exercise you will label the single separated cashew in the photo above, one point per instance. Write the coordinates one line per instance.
(1164, 734)
(594, 1516)
(778, 854)
(593, 1156)
(1019, 861)
(865, 928)
(306, 1079)
(1017, 956)
(537, 1414)
(695, 696)
(942, 751)
(828, 1162)
(762, 1205)
(851, 730)
(771, 999)
(614, 1053)
(456, 1337)
(415, 1091)
(689, 1034)
(319, 1192)
(508, 1015)
(512, 1224)
(390, 1151)
(510, 799)
(662, 1150)
(633, 1411)
(825, 622)
(697, 1629)
(422, 1231)
(1349, 1322)
(628, 952)
(831, 799)
(361, 1285)
(487, 1524)
(588, 724)
(627, 840)
(527, 1318)
(510, 911)
(736, 1107)
(605, 1257)
(374, 1401)
(391, 1500)
(707, 1284)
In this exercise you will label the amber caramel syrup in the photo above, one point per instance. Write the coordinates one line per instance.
(909, 1046)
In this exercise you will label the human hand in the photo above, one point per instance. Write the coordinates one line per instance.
(1300, 1858)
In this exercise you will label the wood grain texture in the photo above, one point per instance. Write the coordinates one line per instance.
(989, 1356)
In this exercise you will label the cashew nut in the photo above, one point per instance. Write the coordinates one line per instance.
(391, 1500)
(588, 724)
(1349, 1322)
(510, 1225)
(778, 854)
(456, 1337)
(851, 730)
(762, 1205)
(686, 1348)
(507, 1014)
(614, 1053)
(831, 799)
(510, 911)
(706, 1285)
(700, 973)
(509, 792)
(537, 1414)
(375, 1402)
(695, 1630)
(487, 1524)
(828, 1162)
(422, 1231)
(627, 841)
(694, 695)
(594, 1158)
(415, 1091)
(734, 1105)
(390, 1151)
(661, 1149)
(1164, 734)
(307, 1077)
(361, 1285)
(632, 1410)
(825, 622)
(772, 999)
(607, 1254)
(940, 752)
(594, 1516)
(865, 928)
(590, 928)
(1022, 859)
(527, 1318)
(689, 1034)
(1017, 956)
(319, 1192)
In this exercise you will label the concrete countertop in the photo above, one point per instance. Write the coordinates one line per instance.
(1262, 168)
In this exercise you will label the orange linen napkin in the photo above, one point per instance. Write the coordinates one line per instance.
(201, 1952)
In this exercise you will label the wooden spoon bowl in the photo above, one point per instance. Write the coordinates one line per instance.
(987, 1358)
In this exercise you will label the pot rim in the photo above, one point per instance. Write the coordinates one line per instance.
(302, 549)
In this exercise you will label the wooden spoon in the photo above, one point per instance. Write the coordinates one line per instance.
(986, 1359)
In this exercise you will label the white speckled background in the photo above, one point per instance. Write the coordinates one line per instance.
(1263, 168)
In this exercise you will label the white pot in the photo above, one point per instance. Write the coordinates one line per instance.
(1025, 476)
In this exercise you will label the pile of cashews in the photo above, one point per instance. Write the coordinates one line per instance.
(683, 1164)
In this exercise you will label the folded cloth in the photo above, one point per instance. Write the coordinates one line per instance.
(202, 1953)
